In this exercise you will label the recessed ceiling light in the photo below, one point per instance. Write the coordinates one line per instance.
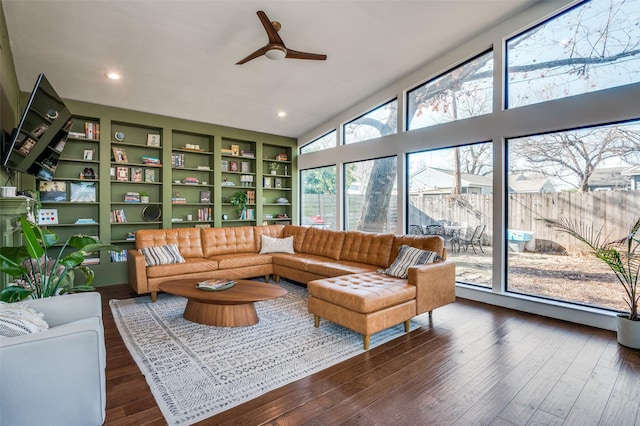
(111, 75)
(282, 114)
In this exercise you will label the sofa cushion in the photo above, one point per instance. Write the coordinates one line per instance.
(330, 268)
(238, 239)
(17, 319)
(367, 247)
(188, 240)
(276, 245)
(162, 255)
(297, 261)
(407, 257)
(273, 231)
(323, 242)
(298, 233)
(176, 269)
(423, 242)
(368, 292)
(241, 260)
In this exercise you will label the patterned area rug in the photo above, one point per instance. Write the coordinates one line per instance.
(196, 371)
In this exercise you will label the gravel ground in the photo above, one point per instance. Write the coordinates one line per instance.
(578, 278)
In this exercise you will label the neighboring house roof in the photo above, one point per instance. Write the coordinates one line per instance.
(530, 183)
(608, 178)
(435, 180)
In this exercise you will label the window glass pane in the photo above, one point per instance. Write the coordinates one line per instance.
(318, 201)
(589, 176)
(370, 195)
(466, 91)
(381, 121)
(450, 193)
(324, 142)
(591, 47)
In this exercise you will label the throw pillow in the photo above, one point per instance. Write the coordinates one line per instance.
(276, 245)
(409, 256)
(162, 255)
(17, 319)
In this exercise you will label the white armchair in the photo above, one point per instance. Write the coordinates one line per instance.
(57, 376)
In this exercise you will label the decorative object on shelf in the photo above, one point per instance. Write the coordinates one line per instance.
(266, 182)
(149, 175)
(55, 191)
(82, 192)
(286, 171)
(248, 154)
(119, 155)
(227, 182)
(48, 217)
(136, 174)
(281, 157)
(87, 173)
(88, 154)
(38, 275)
(239, 200)
(278, 182)
(153, 139)
(144, 197)
(282, 200)
(119, 136)
(235, 150)
(622, 256)
(224, 166)
(151, 213)
(192, 147)
(122, 174)
(246, 180)
(225, 217)
(273, 168)
(245, 167)
(205, 196)
(233, 166)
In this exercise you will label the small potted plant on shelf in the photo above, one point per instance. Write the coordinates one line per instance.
(622, 256)
(39, 273)
(144, 197)
(239, 200)
(273, 167)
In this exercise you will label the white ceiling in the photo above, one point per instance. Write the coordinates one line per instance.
(178, 58)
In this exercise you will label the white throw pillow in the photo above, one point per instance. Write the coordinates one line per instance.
(17, 319)
(162, 255)
(276, 245)
(409, 256)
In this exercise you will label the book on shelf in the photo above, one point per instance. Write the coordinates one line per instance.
(149, 175)
(118, 216)
(205, 196)
(251, 197)
(91, 130)
(151, 161)
(132, 197)
(91, 261)
(248, 154)
(178, 200)
(177, 160)
(119, 256)
(204, 214)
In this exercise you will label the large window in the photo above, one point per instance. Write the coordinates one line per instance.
(466, 91)
(370, 195)
(324, 142)
(450, 193)
(586, 176)
(594, 46)
(381, 121)
(318, 197)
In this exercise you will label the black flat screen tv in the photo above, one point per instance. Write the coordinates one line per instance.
(34, 147)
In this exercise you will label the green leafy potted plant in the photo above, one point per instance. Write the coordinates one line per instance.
(239, 200)
(38, 274)
(144, 197)
(622, 256)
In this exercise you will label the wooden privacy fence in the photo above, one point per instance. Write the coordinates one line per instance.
(615, 211)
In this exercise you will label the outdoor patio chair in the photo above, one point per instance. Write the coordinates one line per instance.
(416, 230)
(472, 237)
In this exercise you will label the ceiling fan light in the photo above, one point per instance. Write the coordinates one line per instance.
(275, 53)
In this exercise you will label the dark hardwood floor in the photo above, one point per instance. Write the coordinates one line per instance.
(475, 365)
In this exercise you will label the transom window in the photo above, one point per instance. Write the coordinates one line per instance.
(381, 121)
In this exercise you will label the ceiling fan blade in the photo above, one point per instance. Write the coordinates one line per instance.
(268, 27)
(294, 54)
(254, 55)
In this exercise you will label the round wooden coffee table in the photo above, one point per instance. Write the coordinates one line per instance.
(225, 308)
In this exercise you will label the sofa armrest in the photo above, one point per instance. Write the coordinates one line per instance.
(68, 308)
(62, 368)
(435, 285)
(137, 271)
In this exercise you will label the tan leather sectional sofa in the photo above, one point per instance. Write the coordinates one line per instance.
(339, 268)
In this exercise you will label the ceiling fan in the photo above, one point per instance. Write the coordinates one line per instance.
(276, 49)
